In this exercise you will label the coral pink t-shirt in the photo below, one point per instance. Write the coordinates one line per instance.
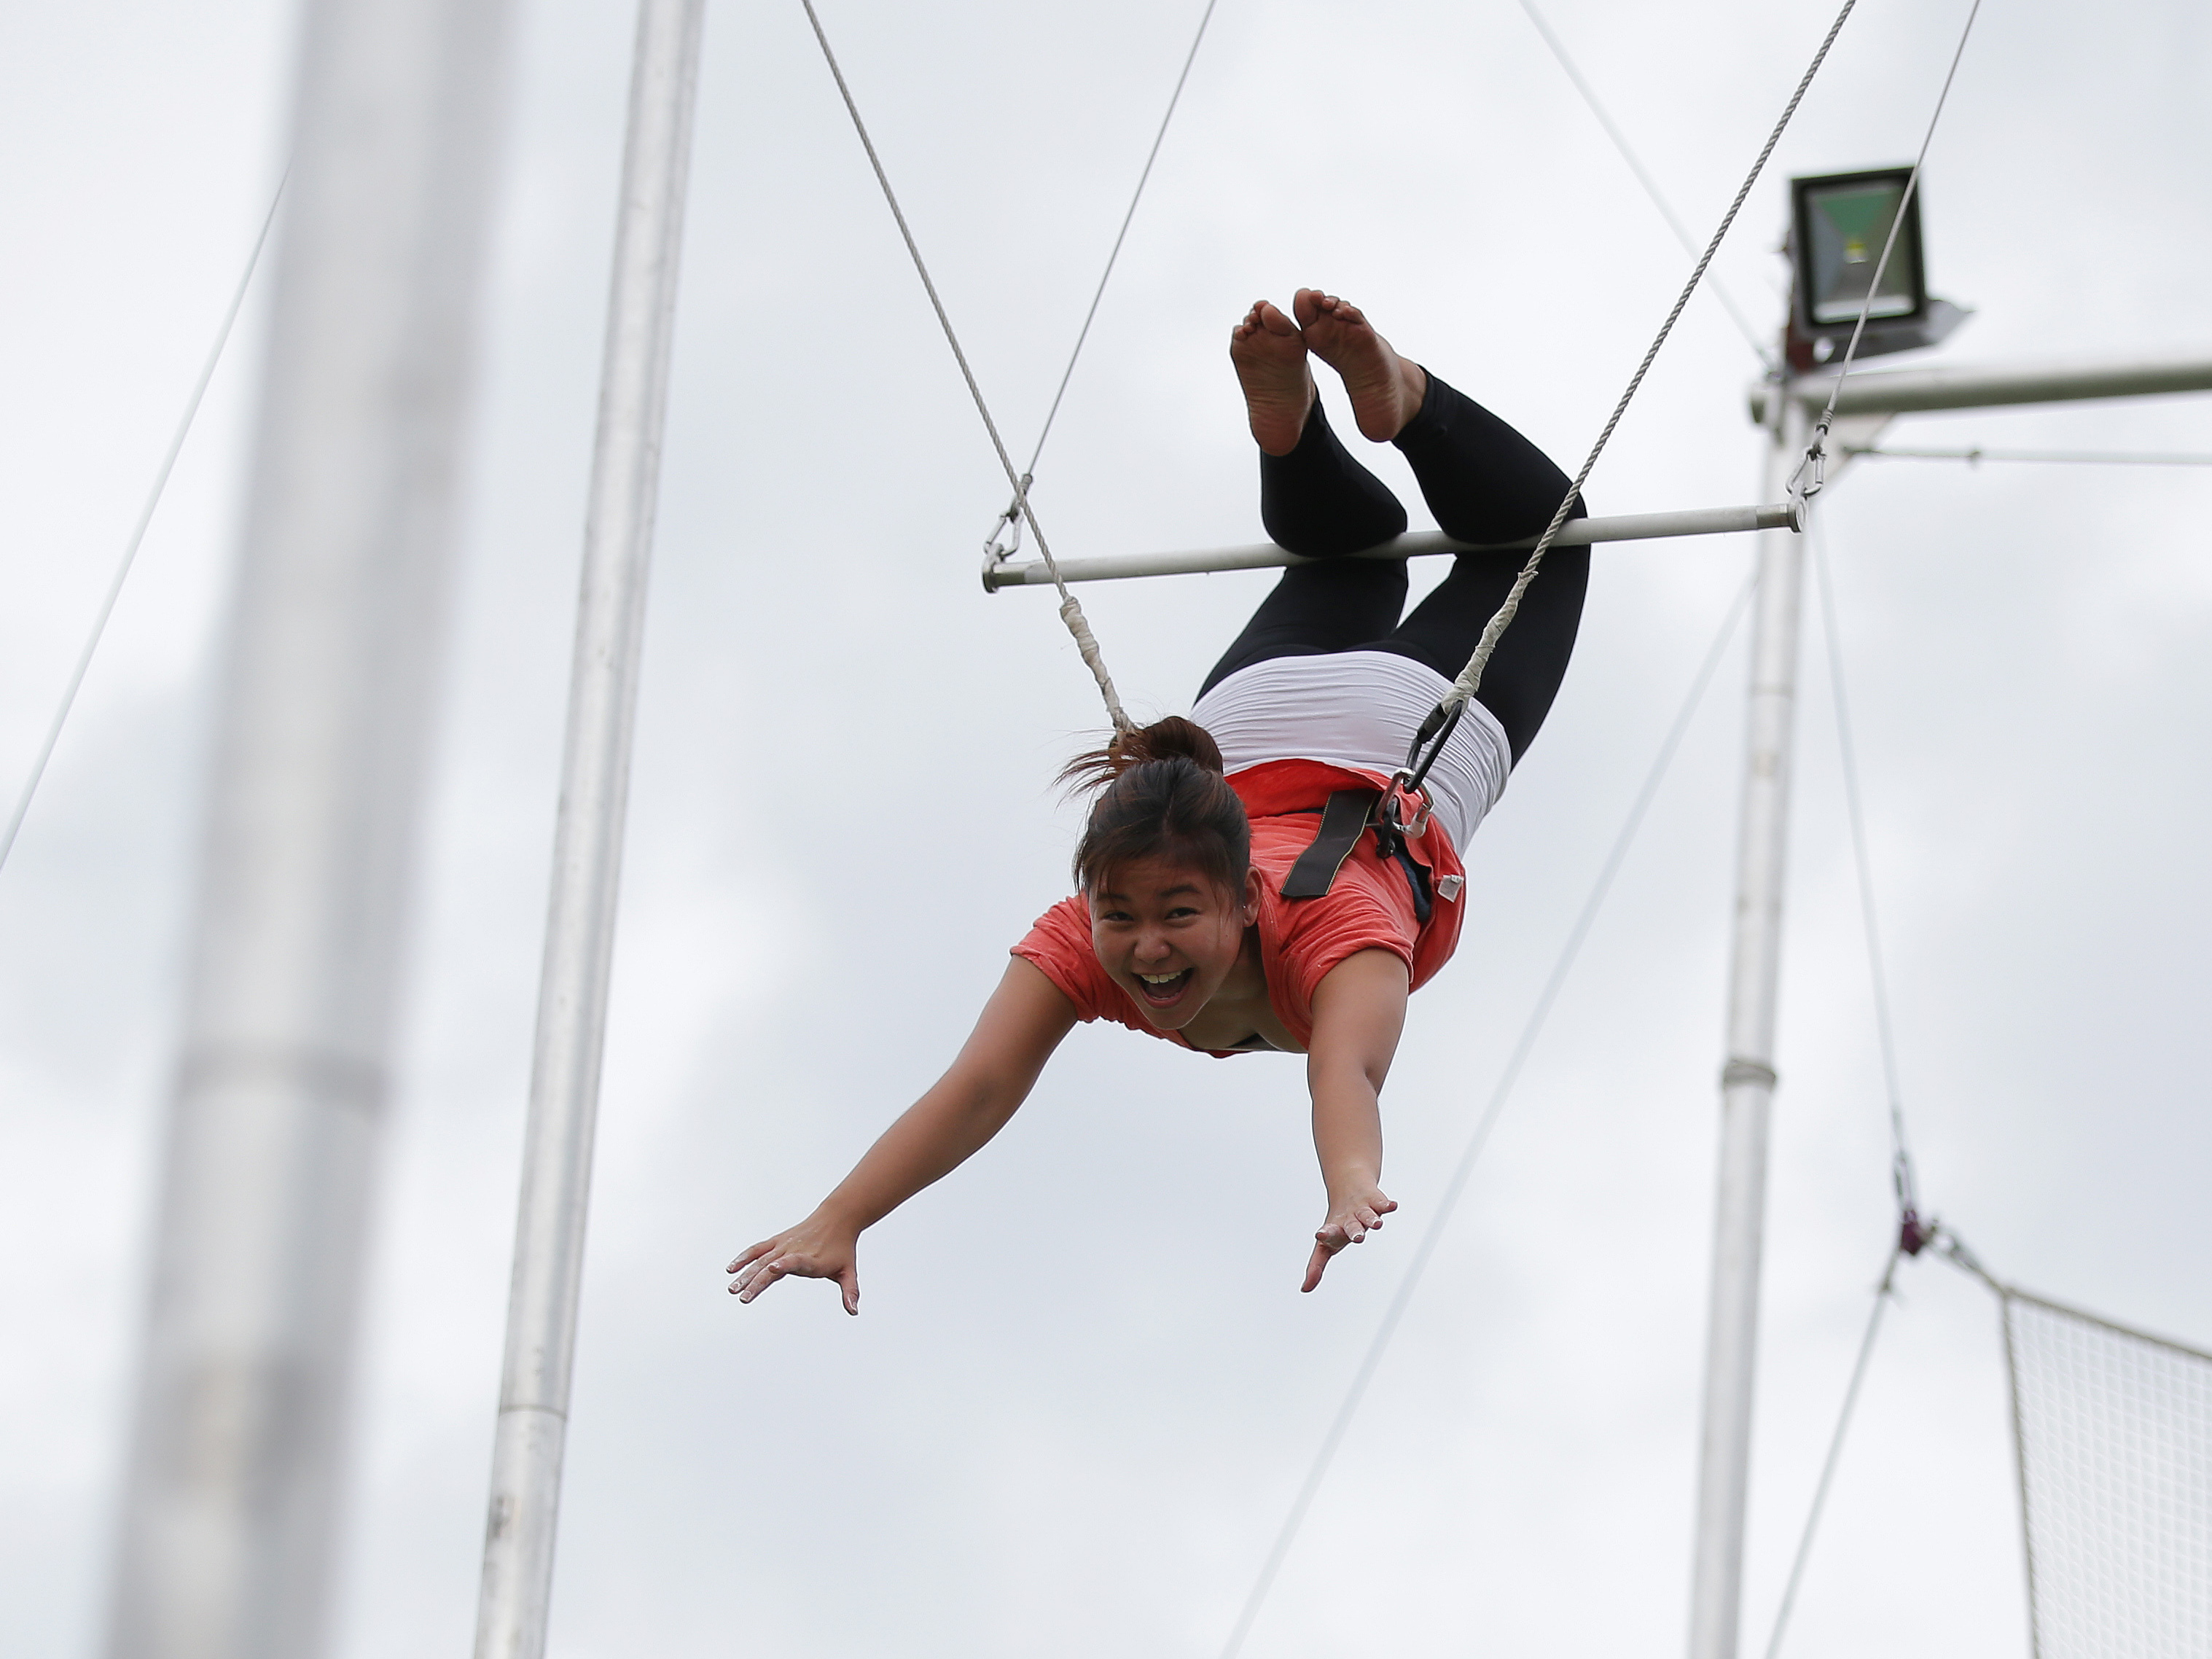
(1369, 907)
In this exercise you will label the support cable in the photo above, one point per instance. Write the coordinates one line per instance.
(1744, 325)
(1977, 455)
(1123, 234)
(1448, 1199)
(1071, 612)
(1805, 483)
(153, 501)
(1437, 728)
(1855, 811)
(1881, 1295)
(1009, 523)
(1913, 1235)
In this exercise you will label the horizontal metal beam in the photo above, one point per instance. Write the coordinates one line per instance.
(1579, 533)
(1965, 386)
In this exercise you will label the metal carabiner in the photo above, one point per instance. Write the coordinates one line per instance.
(1816, 458)
(1000, 545)
(1403, 788)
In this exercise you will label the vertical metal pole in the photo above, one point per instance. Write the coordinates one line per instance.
(572, 996)
(234, 1487)
(1747, 1080)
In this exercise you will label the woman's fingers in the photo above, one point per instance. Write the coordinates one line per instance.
(1317, 1265)
(754, 1253)
(758, 1278)
(764, 1272)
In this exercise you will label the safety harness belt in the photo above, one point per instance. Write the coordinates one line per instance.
(1350, 813)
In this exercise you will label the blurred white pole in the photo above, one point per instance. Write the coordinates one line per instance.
(1747, 1080)
(571, 993)
(325, 705)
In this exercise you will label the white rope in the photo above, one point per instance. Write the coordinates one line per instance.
(1070, 611)
(137, 536)
(1805, 483)
(1456, 1186)
(1743, 323)
(1470, 678)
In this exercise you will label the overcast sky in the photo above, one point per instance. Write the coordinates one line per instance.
(1085, 1387)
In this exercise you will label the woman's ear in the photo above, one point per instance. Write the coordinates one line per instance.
(1252, 892)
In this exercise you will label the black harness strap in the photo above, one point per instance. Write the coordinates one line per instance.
(1349, 814)
(1342, 823)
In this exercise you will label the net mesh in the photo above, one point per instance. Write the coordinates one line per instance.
(2115, 1434)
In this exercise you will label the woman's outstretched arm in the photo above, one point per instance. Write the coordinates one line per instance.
(1360, 1010)
(1020, 1026)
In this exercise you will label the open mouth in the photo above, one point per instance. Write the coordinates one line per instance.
(1165, 990)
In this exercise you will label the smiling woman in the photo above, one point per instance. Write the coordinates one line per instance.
(1255, 878)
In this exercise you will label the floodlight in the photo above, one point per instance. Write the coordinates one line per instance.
(1840, 222)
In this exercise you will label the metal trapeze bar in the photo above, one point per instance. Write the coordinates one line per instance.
(1580, 532)
(1965, 386)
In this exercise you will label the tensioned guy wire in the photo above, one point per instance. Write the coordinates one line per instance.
(1448, 1199)
(1121, 235)
(1470, 678)
(137, 535)
(1855, 810)
(1071, 612)
(1814, 448)
(1881, 1295)
(1643, 177)
(2062, 456)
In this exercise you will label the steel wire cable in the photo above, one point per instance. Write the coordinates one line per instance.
(1071, 612)
(1643, 177)
(1470, 678)
(1820, 428)
(1977, 454)
(1862, 862)
(1448, 1201)
(1121, 235)
(153, 501)
(1881, 1295)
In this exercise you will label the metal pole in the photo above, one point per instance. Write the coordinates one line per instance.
(1971, 385)
(571, 995)
(1263, 555)
(1747, 1080)
(233, 1486)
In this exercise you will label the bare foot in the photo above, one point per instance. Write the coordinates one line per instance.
(1270, 355)
(1386, 391)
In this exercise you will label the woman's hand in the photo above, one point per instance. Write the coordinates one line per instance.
(816, 1249)
(1360, 1008)
(1350, 1219)
(1021, 1025)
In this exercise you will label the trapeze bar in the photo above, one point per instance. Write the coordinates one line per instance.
(1909, 390)
(1580, 532)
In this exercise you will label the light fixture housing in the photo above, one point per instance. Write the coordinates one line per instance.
(1838, 224)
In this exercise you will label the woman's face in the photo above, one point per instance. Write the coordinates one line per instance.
(1169, 936)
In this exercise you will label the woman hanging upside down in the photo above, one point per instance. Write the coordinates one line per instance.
(1235, 895)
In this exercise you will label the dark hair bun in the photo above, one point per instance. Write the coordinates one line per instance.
(1161, 794)
(1173, 737)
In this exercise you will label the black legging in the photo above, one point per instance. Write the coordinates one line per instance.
(1485, 482)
